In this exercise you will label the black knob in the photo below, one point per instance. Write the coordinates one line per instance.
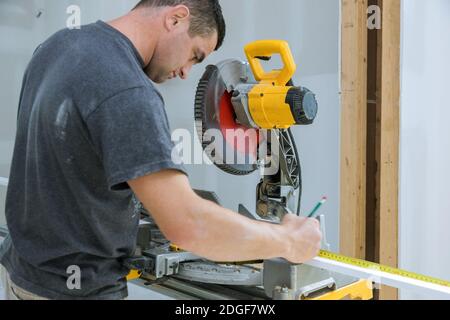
(303, 105)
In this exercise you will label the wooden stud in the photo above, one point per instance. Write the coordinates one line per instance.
(353, 128)
(370, 134)
(387, 149)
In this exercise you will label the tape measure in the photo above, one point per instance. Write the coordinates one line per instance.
(375, 266)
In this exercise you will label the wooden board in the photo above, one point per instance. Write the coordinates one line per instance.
(353, 128)
(387, 151)
(370, 134)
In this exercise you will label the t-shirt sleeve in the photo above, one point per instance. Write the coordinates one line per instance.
(131, 135)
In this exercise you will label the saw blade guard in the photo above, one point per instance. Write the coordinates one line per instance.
(231, 146)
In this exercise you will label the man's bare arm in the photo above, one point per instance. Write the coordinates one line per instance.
(219, 234)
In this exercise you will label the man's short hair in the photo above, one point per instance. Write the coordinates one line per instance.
(206, 16)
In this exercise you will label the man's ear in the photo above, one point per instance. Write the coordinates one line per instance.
(177, 16)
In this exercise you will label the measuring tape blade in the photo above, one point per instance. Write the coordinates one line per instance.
(375, 266)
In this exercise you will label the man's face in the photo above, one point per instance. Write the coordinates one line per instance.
(176, 53)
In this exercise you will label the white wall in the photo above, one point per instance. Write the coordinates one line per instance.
(310, 26)
(425, 139)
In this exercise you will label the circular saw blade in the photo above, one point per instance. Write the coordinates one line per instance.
(222, 274)
(229, 145)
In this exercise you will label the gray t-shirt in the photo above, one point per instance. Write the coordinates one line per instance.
(89, 120)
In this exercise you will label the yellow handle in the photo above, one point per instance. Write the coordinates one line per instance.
(267, 48)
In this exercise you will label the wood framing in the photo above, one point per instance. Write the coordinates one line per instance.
(388, 133)
(370, 134)
(372, 165)
(353, 127)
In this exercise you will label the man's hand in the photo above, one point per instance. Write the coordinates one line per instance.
(305, 238)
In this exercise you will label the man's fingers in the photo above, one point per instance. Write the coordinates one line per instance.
(313, 221)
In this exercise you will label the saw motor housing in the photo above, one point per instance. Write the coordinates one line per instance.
(272, 103)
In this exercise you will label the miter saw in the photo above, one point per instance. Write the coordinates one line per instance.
(243, 118)
(245, 114)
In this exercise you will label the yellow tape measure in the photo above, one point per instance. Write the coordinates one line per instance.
(379, 267)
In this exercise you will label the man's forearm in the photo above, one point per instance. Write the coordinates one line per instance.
(204, 228)
(219, 234)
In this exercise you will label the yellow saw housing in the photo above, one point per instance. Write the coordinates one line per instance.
(273, 104)
(268, 107)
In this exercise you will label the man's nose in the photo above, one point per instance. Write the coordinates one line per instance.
(184, 72)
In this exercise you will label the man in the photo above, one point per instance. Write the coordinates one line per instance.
(92, 134)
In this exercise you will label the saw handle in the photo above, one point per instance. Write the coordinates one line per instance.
(267, 48)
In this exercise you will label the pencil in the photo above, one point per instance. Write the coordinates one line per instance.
(321, 202)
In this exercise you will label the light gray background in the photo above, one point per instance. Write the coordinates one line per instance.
(310, 26)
